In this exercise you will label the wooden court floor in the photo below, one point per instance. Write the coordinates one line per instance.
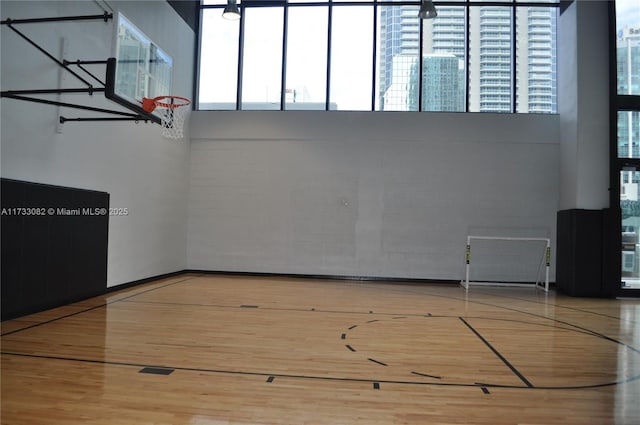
(215, 349)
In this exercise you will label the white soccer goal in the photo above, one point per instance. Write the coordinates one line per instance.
(507, 261)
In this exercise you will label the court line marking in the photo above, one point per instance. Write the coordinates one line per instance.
(571, 327)
(407, 288)
(426, 375)
(453, 286)
(581, 310)
(497, 353)
(567, 329)
(157, 371)
(553, 319)
(378, 285)
(377, 361)
(320, 378)
(584, 330)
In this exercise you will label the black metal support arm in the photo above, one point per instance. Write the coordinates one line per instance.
(80, 64)
(11, 95)
(136, 119)
(49, 55)
(90, 90)
(105, 17)
(64, 64)
(106, 86)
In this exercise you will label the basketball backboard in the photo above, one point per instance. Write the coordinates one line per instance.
(139, 68)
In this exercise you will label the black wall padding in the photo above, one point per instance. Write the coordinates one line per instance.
(579, 256)
(54, 246)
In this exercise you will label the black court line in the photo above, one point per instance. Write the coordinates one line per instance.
(570, 328)
(156, 371)
(581, 310)
(585, 330)
(35, 325)
(461, 299)
(377, 361)
(301, 310)
(319, 378)
(350, 348)
(464, 299)
(500, 356)
(574, 327)
(427, 375)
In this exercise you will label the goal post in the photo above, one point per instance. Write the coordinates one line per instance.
(507, 261)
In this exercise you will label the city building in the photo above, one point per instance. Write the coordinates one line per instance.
(491, 71)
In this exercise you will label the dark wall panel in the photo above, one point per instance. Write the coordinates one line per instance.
(579, 256)
(189, 11)
(54, 246)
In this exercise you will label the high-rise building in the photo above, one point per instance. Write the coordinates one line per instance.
(536, 70)
(628, 83)
(397, 95)
(492, 74)
(399, 40)
(442, 83)
(628, 61)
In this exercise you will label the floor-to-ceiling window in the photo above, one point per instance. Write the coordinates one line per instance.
(626, 141)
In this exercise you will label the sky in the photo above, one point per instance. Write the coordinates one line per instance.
(628, 13)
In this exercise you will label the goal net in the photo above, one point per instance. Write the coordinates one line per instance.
(507, 261)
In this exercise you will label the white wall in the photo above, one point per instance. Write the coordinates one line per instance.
(143, 172)
(365, 193)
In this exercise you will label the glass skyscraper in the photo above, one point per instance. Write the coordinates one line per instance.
(493, 78)
(628, 83)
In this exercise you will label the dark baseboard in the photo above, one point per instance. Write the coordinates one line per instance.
(405, 280)
(143, 281)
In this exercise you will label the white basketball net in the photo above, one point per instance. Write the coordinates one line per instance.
(173, 122)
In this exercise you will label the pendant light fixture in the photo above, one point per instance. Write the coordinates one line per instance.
(231, 12)
(427, 10)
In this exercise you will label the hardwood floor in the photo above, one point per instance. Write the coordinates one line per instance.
(215, 349)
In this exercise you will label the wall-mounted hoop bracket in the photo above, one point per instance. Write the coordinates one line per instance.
(81, 73)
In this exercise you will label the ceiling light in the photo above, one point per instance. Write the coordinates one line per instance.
(231, 12)
(427, 10)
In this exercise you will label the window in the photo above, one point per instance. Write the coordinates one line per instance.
(377, 55)
(262, 58)
(306, 76)
(218, 82)
(625, 140)
(351, 59)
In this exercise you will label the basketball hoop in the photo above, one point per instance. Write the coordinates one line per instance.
(174, 115)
